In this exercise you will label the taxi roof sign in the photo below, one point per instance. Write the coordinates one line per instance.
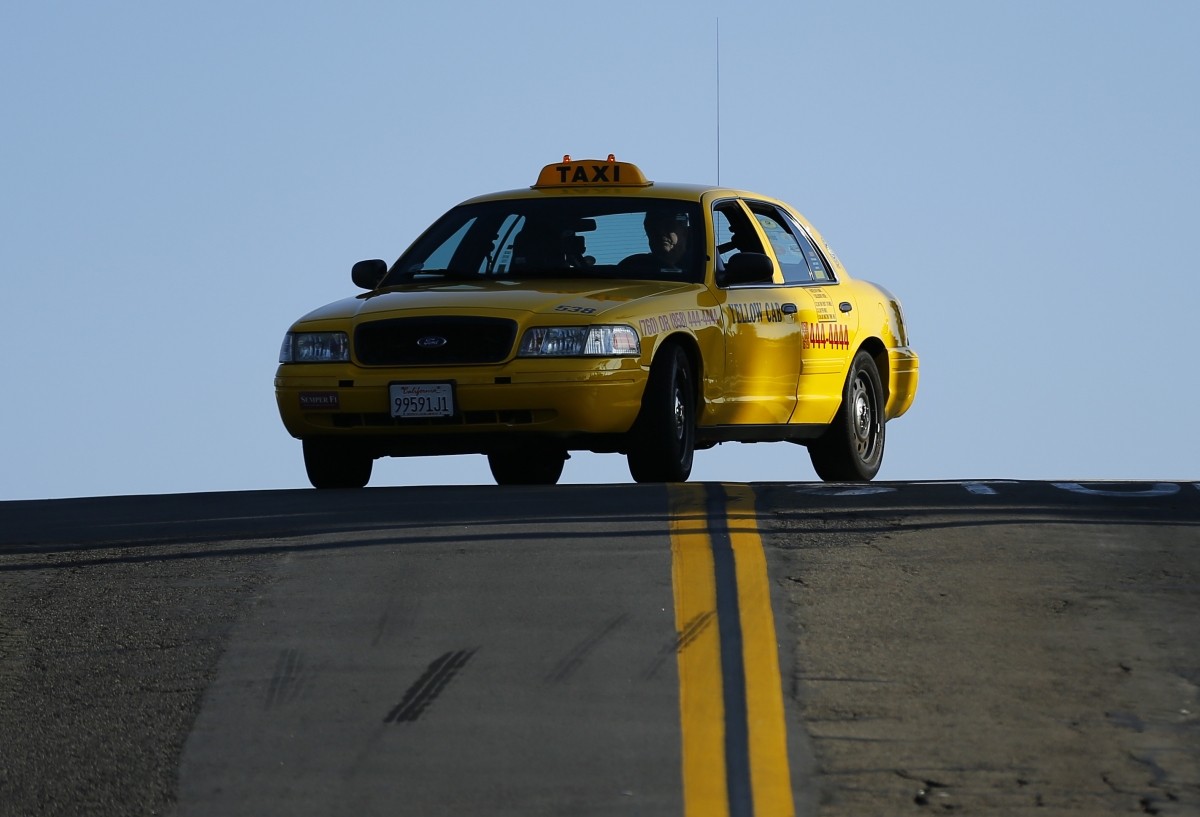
(591, 173)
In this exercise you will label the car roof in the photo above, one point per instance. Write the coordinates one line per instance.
(689, 192)
(607, 178)
(656, 190)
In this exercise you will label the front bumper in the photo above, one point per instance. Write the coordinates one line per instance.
(561, 398)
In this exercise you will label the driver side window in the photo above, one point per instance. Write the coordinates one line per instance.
(734, 232)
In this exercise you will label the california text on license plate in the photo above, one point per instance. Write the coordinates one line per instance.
(422, 399)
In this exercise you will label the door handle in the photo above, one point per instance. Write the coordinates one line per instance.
(788, 309)
(845, 306)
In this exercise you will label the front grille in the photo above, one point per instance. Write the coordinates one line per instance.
(397, 341)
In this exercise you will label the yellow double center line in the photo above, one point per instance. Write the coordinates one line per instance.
(735, 761)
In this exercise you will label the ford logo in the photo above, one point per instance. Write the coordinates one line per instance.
(431, 342)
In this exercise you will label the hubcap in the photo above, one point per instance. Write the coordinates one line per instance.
(680, 414)
(865, 422)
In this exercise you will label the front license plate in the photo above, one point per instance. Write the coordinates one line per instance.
(422, 399)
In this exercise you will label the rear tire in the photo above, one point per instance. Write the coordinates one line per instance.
(529, 467)
(851, 449)
(333, 465)
(664, 435)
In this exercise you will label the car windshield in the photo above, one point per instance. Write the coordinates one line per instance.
(590, 237)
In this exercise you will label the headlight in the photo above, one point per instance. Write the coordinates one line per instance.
(315, 347)
(576, 341)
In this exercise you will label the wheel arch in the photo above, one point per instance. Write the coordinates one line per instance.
(878, 352)
(692, 349)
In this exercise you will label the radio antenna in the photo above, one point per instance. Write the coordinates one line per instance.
(718, 102)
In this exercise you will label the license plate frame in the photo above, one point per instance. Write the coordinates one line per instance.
(443, 396)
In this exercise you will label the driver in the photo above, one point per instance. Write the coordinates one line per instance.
(667, 235)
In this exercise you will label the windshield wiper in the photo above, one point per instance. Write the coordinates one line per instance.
(457, 275)
(553, 272)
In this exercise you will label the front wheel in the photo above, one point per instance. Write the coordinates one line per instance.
(530, 467)
(664, 436)
(851, 449)
(330, 465)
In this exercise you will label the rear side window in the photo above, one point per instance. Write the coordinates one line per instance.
(816, 264)
(786, 241)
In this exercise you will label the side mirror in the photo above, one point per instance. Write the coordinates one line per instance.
(748, 268)
(368, 274)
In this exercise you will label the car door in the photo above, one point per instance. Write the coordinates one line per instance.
(762, 342)
(828, 318)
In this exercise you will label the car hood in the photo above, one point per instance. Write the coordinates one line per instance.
(589, 298)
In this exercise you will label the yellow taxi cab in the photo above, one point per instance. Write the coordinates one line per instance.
(599, 311)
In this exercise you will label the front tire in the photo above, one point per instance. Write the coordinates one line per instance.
(664, 435)
(529, 467)
(330, 465)
(851, 449)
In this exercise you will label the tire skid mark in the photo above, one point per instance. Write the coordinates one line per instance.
(574, 659)
(690, 632)
(693, 629)
(8, 641)
(289, 679)
(397, 616)
(429, 686)
(11, 663)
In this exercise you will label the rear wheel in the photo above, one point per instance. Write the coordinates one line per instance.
(331, 465)
(664, 436)
(851, 449)
(537, 466)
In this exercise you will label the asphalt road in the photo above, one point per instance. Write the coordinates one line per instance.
(896, 648)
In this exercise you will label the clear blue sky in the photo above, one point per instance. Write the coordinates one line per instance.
(179, 182)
